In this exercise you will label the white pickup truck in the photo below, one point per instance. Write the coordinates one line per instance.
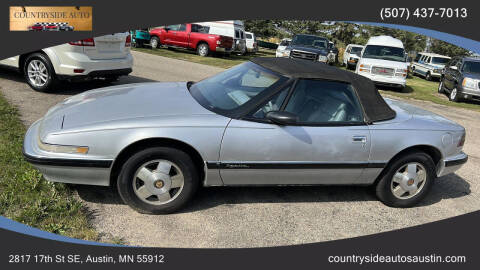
(429, 65)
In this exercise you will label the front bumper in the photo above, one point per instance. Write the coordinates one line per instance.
(392, 81)
(451, 164)
(60, 168)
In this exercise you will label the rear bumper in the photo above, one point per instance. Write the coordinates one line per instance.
(452, 164)
(57, 168)
(96, 74)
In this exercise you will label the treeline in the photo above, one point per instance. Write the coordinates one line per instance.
(346, 33)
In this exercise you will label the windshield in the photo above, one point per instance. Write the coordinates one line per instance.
(471, 67)
(440, 60)
(356, 50)
(310, 41)
(234, 87)
(384, 53)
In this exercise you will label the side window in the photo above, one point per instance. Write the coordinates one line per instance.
(174, 27)
(417, 58)
(273, 104)
(318, 101)
(196, 28)
(182, 27)
(428, 59)
(237, 34)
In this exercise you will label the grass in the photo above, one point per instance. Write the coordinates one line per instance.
(25, 196)
(421, 89)
(222, 61)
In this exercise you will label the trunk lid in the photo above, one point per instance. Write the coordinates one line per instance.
(108, 47)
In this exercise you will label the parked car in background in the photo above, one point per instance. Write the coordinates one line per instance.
(269, 121)
(105, 57)
(461, 79)
(308, 47)
(234, 29)
(332, 56)
(190, 36)
(383, 60)
(282, 48)
(140, 38)
(251, 42)
(429, 65)
(351, 55)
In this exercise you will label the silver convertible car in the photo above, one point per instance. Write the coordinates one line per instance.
(270, 121)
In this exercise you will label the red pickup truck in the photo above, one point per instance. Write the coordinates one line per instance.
(191, 36)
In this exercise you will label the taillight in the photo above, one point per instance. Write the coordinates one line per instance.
(84, 42)
(462, 140)
(128, 41)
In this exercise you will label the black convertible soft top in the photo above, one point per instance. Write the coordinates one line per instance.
(375, 107)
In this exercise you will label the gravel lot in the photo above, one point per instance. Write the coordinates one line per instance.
(253, 217)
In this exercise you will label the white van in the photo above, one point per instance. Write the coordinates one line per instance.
(429, 65)
(383, 60)
(234, 29)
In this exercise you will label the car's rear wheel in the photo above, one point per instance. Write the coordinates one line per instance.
(407, 180)
(39, 72)
(440, 87)
(158, 180)
(155, 42)
(202, 49)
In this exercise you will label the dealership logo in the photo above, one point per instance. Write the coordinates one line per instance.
(58, 18)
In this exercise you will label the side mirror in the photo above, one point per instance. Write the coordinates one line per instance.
(166, 29)
(282, 118)
(453, 67)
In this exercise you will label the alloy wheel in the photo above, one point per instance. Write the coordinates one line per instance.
(158, 182)
(37, 73)
(408, 181)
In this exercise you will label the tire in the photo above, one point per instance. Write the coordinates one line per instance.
(413, 71)
(440, 87)
(454, 95)
(42, 76)
(387, 184)
(155, 42)
(131, 188)
(203, 49)
(428, 76)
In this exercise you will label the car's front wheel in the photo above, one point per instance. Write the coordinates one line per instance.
(38, 72)
(454, 96)
(158, 180)
(202, 49)
(428, 77)
(407, 180)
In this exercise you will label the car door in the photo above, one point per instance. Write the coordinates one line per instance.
(329, 145)
(346, 55)
(180, 37)
(170, 32)
(449, 76)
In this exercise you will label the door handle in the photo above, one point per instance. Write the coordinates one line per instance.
(359, 139)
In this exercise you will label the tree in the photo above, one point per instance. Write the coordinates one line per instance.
(442, 47)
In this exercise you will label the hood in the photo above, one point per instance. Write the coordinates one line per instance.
(383, 63)
(122, 103)
(309, 49)
(471, 75)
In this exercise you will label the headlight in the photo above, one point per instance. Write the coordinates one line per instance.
(469, 83)
(364, 68)
(322, 58)
(286, 53)
(67, 149)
